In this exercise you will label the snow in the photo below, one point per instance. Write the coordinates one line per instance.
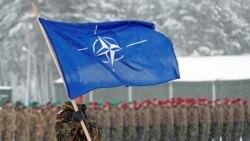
(59, 81)
(5, 88)
(212, 68)
(15, 29)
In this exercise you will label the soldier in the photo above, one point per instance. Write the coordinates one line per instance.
(204, 119)
(8, 124)
(20, 133)
(155, 124)
(217, 120)
(26, 113)
(129, 130)
(193, 121)
(238, 119)
(246, 133)
(92, 109)
(103, 120)
(37, 123)
(138, 125)
(143, 120)
(1, 123)
(69, 128)
(167, 121)
(116, 115)
(228, 120)
(50, 122)
(180, 120)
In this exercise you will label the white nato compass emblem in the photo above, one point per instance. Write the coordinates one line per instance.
(107, 49)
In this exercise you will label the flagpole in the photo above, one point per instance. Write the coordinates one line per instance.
(37, 14)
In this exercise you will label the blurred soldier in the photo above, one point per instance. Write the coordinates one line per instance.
(137, 107)
(37, 123)
(1, 123)
(103, 121)
(143, 121)
(92, 109)
(204, 119)
(68, 126)
(129, 130)
(155, 124)
(193, 121)
(32, 117)
(116, 115)
(50, 122)
(246, 133)
(8, 124)
(228, 120)
(167, 121)
(20, 133)
(217, 120)
(180, 120)
(27, 113)
(238, 118)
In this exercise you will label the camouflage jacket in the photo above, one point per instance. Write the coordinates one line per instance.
(68, 130)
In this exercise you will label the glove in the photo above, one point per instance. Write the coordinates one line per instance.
(77, 116)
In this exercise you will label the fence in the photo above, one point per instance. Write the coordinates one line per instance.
(196, 89)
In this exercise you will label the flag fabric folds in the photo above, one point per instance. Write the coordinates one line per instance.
(111, 54)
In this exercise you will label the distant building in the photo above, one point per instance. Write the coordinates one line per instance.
(212, 77)
(5, 94)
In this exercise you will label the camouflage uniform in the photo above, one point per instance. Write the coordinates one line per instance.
(217, 122)
(180, 123)
(21, 124)
(129, 130)
(39, 126)
(193, 123)
(26, 129)
(167, 123)
(8, 124)
(155, 127)
(246, 134)
(32, 125)
(116, 123)
(50, 122)
(228, 123)
(92, 112)
(143, 120)
(103, 121)
(1, 123)
(204, 122)
(67, 129)
(36, 126)
(238, 125)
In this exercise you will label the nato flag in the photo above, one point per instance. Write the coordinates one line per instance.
(111, 54)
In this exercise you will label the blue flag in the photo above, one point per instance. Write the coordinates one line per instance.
(111, 54)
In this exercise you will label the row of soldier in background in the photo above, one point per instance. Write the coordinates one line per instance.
(175, 119)
(34, 123)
